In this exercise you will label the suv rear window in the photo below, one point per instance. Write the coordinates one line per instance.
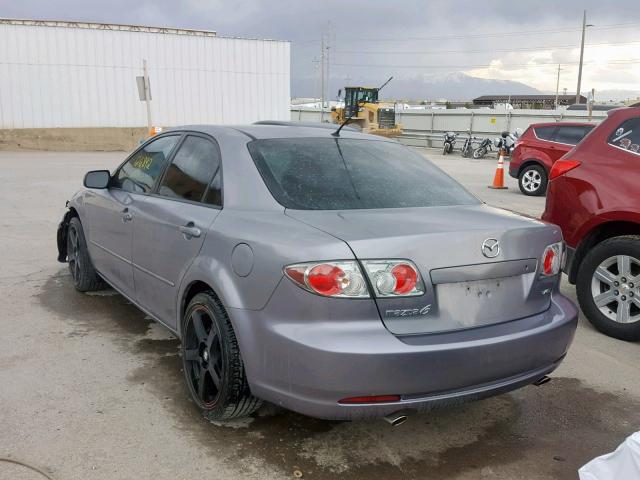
(346, 174)
(627, 136)
(545, 133)
(572, 134)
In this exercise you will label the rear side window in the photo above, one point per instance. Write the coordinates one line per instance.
(140, 172)
(545, 133)
(572, 134)
(191, 170)
(346, 174)
(627, 136)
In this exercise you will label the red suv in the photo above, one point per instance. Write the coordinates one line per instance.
(538, 149)
(594, 196)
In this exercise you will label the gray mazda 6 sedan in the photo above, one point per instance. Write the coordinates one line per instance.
(338, 275)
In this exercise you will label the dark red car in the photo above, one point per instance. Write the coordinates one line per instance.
(594, 196)
(538, 148)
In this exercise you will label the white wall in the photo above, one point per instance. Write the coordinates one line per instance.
(72, 77)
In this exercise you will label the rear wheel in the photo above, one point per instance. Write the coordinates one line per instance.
(608, 287)
(213, 367)
(533, 180)
(84, 276)
(479, 153)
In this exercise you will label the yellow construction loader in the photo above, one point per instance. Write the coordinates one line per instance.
(365, 111)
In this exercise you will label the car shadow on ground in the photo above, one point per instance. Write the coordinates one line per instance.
(548, 431)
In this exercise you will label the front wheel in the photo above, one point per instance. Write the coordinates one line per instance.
(84, 276)
(212, 364)
(446, 148)
(608, 287)
(533, 180)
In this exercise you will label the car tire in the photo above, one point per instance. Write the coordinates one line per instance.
(212, 364)
(84, 276)
(533, 180)
(598, 277)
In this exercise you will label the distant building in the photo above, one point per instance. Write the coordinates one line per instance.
(527, 101)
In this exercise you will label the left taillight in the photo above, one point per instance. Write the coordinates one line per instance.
(388, 278)
(330, 279)
(552, 259)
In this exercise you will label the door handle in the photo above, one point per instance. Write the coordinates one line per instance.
(190, 230)
(126, 216)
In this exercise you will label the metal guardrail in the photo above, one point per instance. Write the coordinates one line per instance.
(426, 128)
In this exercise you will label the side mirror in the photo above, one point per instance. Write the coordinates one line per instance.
(97, 179)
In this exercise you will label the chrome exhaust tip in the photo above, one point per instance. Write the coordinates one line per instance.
(541, 381)
(395, 419)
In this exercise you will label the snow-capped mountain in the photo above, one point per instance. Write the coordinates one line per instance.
(452, 86)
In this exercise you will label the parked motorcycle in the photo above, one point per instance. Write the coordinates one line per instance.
(467, 148)
(506, 140)
(449, 142)
(483, 148)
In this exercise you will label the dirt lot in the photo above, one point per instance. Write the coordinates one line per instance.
(91, 389)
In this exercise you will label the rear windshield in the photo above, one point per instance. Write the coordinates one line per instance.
(347, 174)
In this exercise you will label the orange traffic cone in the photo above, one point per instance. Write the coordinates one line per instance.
(154, 131)
(498, 178)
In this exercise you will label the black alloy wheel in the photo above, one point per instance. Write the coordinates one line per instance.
(212, 363)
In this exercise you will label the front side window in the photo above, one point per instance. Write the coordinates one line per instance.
(191, 170)
(627, 136)
(572, 135)
(140, 172)
(343, 174)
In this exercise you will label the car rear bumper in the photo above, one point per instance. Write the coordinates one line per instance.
(307, 364)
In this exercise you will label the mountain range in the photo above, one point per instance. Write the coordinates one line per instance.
(452, 86)
(456, 86)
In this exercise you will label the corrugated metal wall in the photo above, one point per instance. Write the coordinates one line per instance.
(72, 77)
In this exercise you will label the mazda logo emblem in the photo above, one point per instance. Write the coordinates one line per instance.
(491, 248)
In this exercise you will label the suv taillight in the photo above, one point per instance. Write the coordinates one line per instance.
(561, 167)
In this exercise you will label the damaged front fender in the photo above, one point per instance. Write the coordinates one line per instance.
(61, 236)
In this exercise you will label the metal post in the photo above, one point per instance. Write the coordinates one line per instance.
(322, 80)
(558, 87)
(147, 94)
(584, 28)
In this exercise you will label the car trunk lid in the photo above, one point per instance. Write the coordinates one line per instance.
(464, 288)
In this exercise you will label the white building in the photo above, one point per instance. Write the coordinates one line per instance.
(74, 74)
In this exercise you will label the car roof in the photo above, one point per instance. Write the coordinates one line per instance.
(267, 131)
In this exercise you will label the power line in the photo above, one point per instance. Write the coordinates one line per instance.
(486, 65)
(485, 50)
(489, 35)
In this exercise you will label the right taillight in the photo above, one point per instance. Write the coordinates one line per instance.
(561, 167)
(552, 259)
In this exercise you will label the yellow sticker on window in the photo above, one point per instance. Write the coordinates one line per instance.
(143, 162)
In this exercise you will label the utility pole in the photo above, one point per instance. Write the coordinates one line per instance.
(328, 76)
(322, 56)
(558, 87)
(584, 28)
(328, 47)
(147, 94)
